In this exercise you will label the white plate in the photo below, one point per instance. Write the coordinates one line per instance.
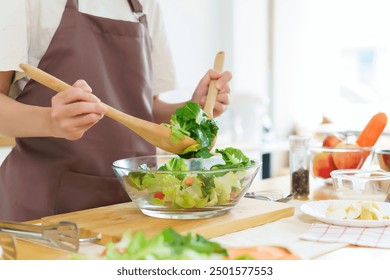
(317, 209)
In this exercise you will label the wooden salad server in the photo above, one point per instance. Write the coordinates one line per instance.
(213, 91)
(155, 134)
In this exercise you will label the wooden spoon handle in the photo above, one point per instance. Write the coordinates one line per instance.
(44, 78)
(213, 91)
(57, 85)
(157, 135)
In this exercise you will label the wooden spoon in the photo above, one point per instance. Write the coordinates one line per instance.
(157, 135)
(213, 91)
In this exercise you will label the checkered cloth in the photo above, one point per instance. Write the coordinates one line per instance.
(378, 237)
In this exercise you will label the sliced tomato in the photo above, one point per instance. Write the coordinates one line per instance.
(159, 195)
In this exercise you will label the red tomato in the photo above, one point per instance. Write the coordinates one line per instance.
(159, 195)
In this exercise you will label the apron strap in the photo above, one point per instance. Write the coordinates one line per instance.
(73, 4)
(135, 5)
(137, 9)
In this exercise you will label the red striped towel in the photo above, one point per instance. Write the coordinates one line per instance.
(371, 237)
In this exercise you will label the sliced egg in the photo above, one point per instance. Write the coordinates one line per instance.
(359, 210)
(353, 211)
(336, 211)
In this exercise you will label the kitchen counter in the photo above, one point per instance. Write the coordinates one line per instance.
(284, 231)
(6, 141)
(6, 144)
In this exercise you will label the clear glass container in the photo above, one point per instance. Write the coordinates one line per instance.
(299, 166)
(196, 193)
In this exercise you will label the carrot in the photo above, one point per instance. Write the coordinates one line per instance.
(189, 181)
(260, 253)
(372, 131)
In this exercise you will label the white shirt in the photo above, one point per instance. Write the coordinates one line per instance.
(27, 27)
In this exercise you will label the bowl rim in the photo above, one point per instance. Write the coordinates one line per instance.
(334, 149)
(382, 151)
(351, 173)
(257, 164)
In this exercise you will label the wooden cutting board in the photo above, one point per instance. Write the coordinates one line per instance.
(112, 221)
(28, 250)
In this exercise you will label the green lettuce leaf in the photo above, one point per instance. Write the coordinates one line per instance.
(190, 120)
(166, 245)
(234, 158)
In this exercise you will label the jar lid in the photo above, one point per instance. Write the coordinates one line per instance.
(299, 140)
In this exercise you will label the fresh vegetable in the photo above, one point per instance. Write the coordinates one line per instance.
(165, 245)
(171, 245)
(367, 138)
(260, 253)
(192, 121)
(372, 131)
(324, 163)
(184, 189)
(233, 158)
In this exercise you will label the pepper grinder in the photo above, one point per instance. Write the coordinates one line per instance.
(299, 166)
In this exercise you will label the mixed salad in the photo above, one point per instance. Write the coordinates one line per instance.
(184, 185)
(180, 188)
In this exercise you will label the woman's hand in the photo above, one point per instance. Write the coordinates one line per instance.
(222, 84)
(74, 111)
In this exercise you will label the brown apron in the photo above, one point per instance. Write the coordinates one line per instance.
(45, 175)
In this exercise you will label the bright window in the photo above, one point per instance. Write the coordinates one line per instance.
(332, 58)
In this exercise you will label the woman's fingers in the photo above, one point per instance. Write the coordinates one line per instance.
(223, 79)
(74, 95)
(222, 84)
(75, 127)
(221, 103)
(75, 110)
(83, 85)
(78, 108)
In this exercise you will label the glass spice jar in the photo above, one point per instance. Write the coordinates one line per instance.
(299, 166)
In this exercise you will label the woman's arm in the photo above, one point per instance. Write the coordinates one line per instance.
(162, 110)
(72, 113)
(14, 116)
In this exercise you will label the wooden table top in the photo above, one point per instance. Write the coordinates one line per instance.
(30, 250)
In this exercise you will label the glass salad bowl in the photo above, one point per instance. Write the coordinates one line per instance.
(176, 188)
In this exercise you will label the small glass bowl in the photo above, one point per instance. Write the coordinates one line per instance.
(355, 184)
